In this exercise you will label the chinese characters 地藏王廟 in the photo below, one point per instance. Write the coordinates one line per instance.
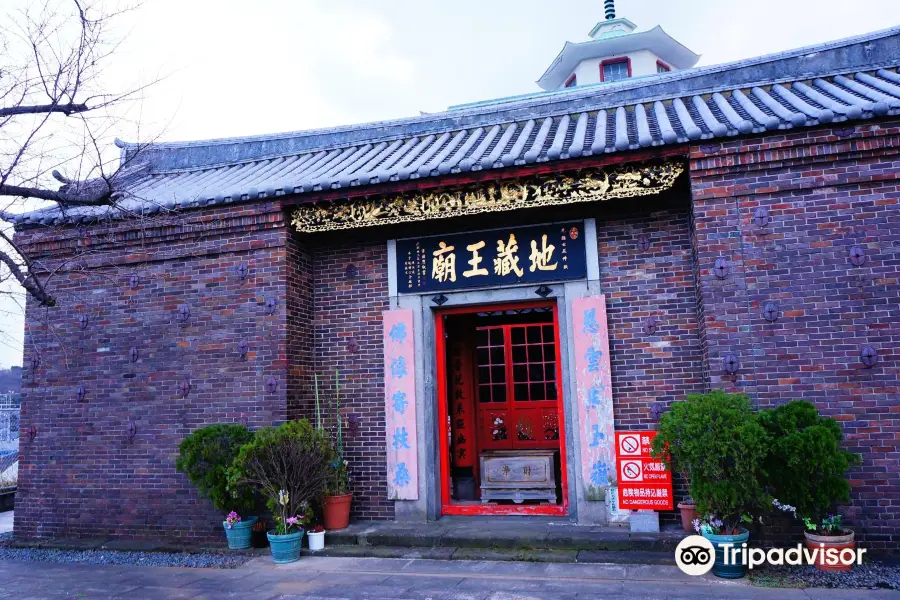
(506, 261)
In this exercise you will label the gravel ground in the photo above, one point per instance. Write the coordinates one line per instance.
(111, 557)
(871, 575)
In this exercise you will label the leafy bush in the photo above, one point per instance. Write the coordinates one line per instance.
(717, 438)
(290, 464)
(806, 466)
(205, 457)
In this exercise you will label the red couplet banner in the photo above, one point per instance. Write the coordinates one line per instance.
(644, 482)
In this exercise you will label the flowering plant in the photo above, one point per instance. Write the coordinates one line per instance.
(339, 484)
(232, 519)
(318, 529)
(830, 525)
(285, 522)
(713, 525)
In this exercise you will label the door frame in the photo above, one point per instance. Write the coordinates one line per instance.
(446, 506)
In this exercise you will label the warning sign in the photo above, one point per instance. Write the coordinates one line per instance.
(644, 482)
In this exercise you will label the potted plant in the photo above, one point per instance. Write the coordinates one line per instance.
(718, 438)
(205, 457)
(291, 465)
(807, 471)
(337, 501)
(688, 510)
(316, 538)
(286, 538)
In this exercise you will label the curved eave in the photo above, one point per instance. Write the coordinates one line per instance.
(655, 40)
(679, 119)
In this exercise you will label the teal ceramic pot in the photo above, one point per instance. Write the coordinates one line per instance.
(238, 535)
(730, 570)
(285, 548)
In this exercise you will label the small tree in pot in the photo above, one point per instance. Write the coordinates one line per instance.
(291, 465)
(717, 438)
(205, 457)
(337, 500)
(807, 470)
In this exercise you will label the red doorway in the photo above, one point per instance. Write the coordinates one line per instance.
(504, 361)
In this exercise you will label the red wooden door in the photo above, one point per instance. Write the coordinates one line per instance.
(517, 387)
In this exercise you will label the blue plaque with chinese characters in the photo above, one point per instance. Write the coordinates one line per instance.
(537, 254)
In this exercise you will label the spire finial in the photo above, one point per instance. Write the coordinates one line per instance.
(609, 7)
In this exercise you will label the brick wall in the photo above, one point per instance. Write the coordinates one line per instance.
(350, 294)
(658, 367)
(655, 368)
(84, 474)
(826, 190)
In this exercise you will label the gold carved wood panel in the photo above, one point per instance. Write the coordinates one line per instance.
(587, 185)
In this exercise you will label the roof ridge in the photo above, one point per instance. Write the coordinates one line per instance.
(572, 94)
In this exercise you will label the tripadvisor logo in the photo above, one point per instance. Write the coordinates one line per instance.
(695, 555)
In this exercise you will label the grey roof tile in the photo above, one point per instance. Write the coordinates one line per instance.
(560, 126)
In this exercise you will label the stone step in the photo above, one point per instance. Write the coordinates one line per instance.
(500, 554)
(508, 535)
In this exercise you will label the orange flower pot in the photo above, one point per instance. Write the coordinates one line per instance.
(336, 511)
(825, 543)
(688, 514)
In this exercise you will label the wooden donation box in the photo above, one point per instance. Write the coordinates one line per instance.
(518, 475)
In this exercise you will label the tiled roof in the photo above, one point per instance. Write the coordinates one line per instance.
(847, 80)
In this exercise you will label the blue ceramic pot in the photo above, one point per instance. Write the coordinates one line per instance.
(285, 548)
(730, 570)
(238, 535)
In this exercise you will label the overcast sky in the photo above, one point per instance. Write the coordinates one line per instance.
(240, 67)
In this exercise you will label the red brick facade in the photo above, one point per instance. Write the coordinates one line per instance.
(351, 292)
(825, 190)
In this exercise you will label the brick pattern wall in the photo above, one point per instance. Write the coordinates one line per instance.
(84, 474)
(825, 190)
(656, 368)
(298, 269)
(351, 292)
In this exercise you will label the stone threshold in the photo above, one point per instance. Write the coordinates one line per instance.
(517, 533)
(500, 554)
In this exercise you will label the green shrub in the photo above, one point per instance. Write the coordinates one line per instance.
(290, 464)
(806, 466)
(205, 457)
(717, 438)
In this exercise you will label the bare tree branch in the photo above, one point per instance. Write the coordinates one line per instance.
(52, 59)
(66, 109)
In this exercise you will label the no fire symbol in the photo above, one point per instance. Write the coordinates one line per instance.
(631, 470)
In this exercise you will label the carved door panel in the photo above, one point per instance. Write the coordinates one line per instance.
(517, 388)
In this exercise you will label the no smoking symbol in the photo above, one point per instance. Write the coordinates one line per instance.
(630, 444)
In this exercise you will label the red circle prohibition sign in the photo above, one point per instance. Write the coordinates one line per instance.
(629, 444)
(630, 470)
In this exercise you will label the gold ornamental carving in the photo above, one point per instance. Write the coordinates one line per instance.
(587, 185)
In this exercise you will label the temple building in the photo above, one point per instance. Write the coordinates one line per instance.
(498, 289)
(616, 52)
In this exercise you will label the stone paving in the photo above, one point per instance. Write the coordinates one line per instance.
(394, 579)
